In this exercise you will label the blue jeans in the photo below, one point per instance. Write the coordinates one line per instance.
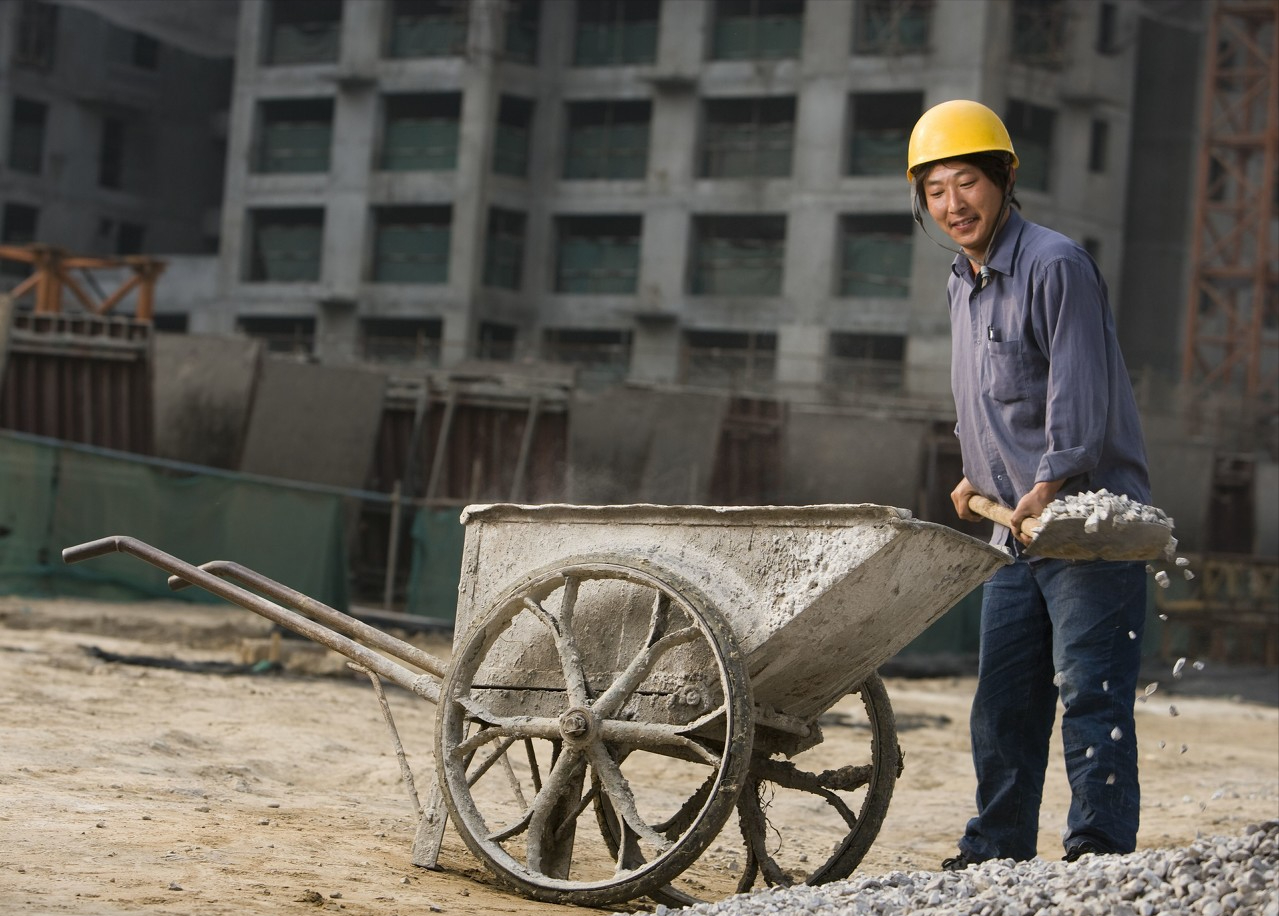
(1046, 623)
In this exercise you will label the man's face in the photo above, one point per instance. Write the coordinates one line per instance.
(964, 203)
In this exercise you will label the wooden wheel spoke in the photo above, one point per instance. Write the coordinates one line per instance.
(576, 687)
(620, 796)
(653, 737)
(621, 689)
(495, 727)
(559, 782)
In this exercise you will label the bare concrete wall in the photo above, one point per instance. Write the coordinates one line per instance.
(314, 423)
(202, 387)
(632, 445)
(833, 458)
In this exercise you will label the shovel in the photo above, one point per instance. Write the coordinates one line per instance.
(1066, 538)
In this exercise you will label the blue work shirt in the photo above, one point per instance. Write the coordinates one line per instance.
(1041, 390)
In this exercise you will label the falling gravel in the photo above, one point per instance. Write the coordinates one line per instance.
(1218, 876)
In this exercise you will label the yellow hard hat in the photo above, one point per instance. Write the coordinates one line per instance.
(956, 128)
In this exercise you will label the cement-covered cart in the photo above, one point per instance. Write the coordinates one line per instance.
(626, 678)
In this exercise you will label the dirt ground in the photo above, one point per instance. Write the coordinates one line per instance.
(129, 788)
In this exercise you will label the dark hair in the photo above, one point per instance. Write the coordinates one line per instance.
(995, 166)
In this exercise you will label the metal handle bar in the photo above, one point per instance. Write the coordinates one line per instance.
(420, 684)
(322, 614)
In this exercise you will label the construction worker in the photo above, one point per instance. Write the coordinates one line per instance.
(1045, 409)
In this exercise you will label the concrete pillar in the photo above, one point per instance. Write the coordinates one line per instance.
(474, 162)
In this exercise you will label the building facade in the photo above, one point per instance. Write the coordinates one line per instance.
(690, 191)
(111, 142)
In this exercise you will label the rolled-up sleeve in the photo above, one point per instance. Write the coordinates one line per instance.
(1069, 321)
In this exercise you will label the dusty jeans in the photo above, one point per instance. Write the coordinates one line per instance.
(1046, 623)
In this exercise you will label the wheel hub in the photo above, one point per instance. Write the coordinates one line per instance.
(579, 726)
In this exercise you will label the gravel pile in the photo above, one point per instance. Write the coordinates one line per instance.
(1219, 876)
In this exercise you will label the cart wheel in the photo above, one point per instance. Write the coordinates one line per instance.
(594, 681)
(790, 811)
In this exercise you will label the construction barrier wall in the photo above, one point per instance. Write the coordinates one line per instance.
(54, 495)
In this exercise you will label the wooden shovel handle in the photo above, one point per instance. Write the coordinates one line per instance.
(1001, 514)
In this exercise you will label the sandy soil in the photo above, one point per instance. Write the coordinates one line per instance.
(127, 788)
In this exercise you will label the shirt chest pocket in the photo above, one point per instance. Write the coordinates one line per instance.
(1006, 371)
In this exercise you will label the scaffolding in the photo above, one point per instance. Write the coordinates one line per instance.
(51, 273)
(1232, 317)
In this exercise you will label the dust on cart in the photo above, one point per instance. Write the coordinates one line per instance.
(636, 697)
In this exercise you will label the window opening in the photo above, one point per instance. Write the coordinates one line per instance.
(757, 29)
(867, 361)
(496, 341)
(1039, 33)
(1031, 129)
(615, 32)
(296, 135)
(728, 359)
(427, 28)
(408, 340)
(411, 244)
(601, 357)
(511, 143)
(881, 123)
(280, 334)
(748, 138)
(884, 27)
(37, 36)
(1098, 142)
(738, 255)
(286, 245)
(607, 140)
(523, 18)
(111, 154)
(597, 254)
(876, 254)
(26, 135)
(504, 249)
(420, 132)
(304, 32)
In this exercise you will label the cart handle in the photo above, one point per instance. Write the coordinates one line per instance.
(320, 613)
(420, 684)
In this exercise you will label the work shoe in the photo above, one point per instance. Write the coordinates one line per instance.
(1086, 848)
(958, 863)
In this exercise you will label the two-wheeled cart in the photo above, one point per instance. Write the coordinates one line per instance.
(625, 678)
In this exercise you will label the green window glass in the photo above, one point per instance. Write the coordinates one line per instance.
(875, 255)
(1039, 33)
(597, 254)
(748, 138)
(304, 33)
(892, 26)
(738, 255)
(286, 245)
(1031, 128)
(757, 29)
(607, 140)
(420, 132)
(523, 17)
(510, 144)
(615, 32)
(880, 125)
(411, 245)
(504, 249)
(296, 136)
(427, 28)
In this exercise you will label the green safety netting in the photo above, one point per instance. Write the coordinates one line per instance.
(437, 558)
(54, 495)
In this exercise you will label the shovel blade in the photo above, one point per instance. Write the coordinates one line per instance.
(1066, 539)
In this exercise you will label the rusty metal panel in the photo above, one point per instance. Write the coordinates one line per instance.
(79, 378)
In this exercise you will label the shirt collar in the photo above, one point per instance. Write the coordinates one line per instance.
(1007, 242)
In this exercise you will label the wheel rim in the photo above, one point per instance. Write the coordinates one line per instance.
(594, 680)
(807, 820)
